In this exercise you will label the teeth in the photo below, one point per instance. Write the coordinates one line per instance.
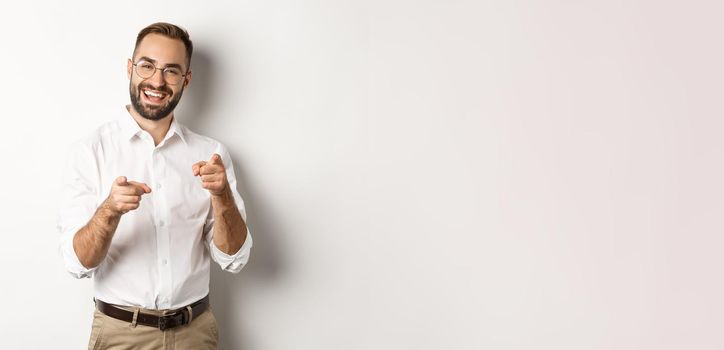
(151, 93)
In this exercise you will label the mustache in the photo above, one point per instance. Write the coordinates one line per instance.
(162, 88)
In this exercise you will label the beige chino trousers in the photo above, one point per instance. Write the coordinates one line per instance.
(108, 333)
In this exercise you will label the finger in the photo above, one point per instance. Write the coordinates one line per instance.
(141, 185)
(129, 206)
(211, 177)
(196, 168)
(130, 190)
(212, 185)
(211, 169)
(125, 198)
(121, 181)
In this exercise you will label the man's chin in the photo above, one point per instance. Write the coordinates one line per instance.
(153, 112)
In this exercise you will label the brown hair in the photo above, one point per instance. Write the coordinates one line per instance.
(168, 30)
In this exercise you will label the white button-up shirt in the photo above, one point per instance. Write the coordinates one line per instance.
(159, 257)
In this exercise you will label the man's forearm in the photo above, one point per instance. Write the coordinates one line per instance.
(229, 226)
(91, 242)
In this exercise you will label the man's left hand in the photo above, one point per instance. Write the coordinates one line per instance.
(213, 175)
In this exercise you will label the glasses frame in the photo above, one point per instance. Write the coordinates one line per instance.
(163, 72)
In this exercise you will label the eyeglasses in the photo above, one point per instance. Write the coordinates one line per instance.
(146, 69)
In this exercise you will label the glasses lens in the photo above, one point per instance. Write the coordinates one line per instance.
(172, 75)
(145, 69)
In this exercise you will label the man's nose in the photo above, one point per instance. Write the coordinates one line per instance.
(157, 78)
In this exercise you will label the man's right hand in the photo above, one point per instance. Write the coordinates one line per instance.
(91, 242)
(125, 195)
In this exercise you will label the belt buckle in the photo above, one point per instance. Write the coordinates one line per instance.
(167, 321)
(164, 322)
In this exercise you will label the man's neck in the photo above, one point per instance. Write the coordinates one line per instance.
(157, 128)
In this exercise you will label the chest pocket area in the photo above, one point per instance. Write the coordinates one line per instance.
(191, 205)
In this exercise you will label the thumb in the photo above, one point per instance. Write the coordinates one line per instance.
(121, 181)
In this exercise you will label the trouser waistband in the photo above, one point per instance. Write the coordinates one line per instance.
(173, 318)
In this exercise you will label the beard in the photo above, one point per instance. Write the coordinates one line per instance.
(154, 112)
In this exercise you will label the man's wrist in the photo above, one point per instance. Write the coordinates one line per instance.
(225, 197)
(107, 212)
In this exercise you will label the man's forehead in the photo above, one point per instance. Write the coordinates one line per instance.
(161, 49)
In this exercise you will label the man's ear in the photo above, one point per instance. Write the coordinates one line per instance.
(129, 68)
(187, 78)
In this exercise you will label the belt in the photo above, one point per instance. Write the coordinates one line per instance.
(173, 319)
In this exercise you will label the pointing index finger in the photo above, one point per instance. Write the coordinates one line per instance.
(140, 185)
(216, 159)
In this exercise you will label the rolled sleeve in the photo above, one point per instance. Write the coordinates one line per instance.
(77, 205)
(231, 263)
(72, 263)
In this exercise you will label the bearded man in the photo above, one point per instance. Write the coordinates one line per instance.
(146, 205)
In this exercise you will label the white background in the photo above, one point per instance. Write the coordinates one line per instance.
(417, 174)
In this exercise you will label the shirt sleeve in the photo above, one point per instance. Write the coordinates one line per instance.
(232, 263)
(78, 202)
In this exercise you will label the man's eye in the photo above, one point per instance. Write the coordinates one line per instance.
(173, 72)
(146, 66)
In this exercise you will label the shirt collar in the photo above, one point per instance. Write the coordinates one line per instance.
(130, 128)
(175, 128)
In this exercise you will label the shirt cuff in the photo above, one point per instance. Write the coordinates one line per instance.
(72, 263)
(233, 263)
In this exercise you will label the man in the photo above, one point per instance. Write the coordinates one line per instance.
(146, 204)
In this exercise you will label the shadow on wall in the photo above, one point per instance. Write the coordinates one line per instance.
(200, 93)
(266, 263)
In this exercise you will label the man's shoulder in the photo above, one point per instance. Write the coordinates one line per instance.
(99, 135)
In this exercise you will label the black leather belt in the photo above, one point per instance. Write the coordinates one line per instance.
(173, 319)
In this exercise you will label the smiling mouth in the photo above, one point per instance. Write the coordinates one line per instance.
(154, 96)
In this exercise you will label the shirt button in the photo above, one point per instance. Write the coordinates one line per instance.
(164, 261)
(158, 186)
(161, 223)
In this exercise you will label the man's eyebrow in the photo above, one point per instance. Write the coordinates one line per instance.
(174, 65)
(144, 58)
